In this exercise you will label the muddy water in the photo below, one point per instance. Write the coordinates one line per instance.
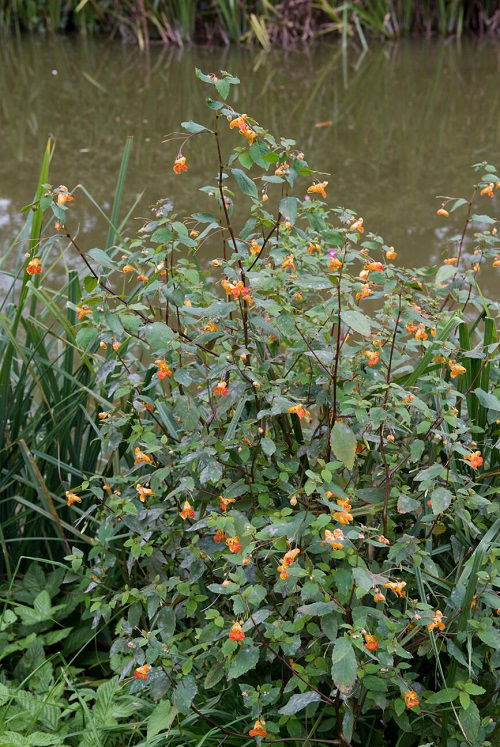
(406, 123)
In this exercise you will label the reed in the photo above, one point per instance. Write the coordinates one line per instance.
(262, 22)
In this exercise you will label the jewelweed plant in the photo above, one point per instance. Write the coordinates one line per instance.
(297, 513)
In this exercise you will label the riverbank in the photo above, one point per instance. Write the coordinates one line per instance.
(268, 24)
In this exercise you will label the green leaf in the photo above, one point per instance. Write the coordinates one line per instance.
(158, 718)
(443, 696)
(490, 401)
(246, 659)
(89, 283)
(223, 86)
(473, 689)
(101, 257)
(344, 665)
(298, 702)
(440, 500)
(343, 443)
(288, 208)
(86, 336)
(268, 446)
(359, 322)
(376, 684)
(158, 335)
(444, 273)
(193, 127)
(244, 182)
(42, 605)
(185, 693)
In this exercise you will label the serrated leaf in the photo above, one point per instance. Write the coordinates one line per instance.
(344, 665)
(244, 182)
(268, 446)
(246, 659)
(440, 500)
(490, 401)
(358, 321)
(343, 443)
(288, 208)
(42, 605)
(158, 335)
(298, 702)
(184, 694)
(86, 336)
(444, 273)
(158, 718)
(443, 696)
(194, 127)
(101, 257)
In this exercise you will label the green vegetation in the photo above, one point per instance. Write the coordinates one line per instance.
(251, 500)
(264, 22)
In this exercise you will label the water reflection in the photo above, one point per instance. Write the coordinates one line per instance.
(407, 122)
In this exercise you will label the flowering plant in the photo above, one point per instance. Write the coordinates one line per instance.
(298, 457)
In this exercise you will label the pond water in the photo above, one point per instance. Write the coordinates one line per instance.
(407, 122)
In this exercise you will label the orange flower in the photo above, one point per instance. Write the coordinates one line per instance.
(374, 267)
(383, 540)
(456, 369)
(314, 248)
(391, 253)
(34, 267)
(179, 165)
(411, 328)
(450, 261)
(411, 699)
(142, 458)
(236, 633)
(103, 415)
(378, 596)
(72, 498)
(258, 729)
(128, 268)
(300, 411)
(334, 539)
(142, 278)
(244, 128)
(357, 226)
(221, 389)
(224, 503)
(335, 263)
(421, 334)
(437, 621)
(371, 643)
(234, 544)
(488, 190)
(163, 368)
(63, 197)
(237, 290)
(83, 311)
(286, 561)
(475, 459)
(187, 511)
(281, 169)
(397, 587)
(373, 357)
(141, 673)
(443, 212)
(364, 292)
(496, 262)
(318, 188)
(254, 247)
(288, 262)
(343, 517)
(219, 536)
(298, 296)
(210, 327)
(143, 492)
(409, 398)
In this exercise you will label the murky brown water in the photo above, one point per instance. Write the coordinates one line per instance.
(407, 123)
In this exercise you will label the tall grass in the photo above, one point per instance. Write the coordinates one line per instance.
(49, 399)
(265, 22)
